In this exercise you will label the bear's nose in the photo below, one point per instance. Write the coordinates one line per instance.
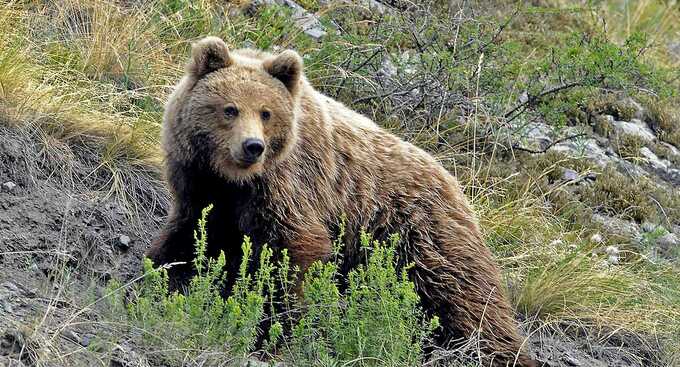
(253, 148)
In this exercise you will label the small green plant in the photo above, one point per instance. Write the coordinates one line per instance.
(628, 146)
(377, 322)
(578, 71)
(201, 321)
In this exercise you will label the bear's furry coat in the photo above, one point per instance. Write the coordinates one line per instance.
(322, 161)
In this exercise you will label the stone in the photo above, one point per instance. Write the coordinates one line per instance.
(556, 243)
(674, 151)
(252, 362)
(86, 340)
(618, 226)
(586, 147)
(10, 362)
(124, 242)
(662, 167)
(667, 246)
(653, 160)
(569, 174)
(9, 186)
(6, 306)
(70, 335)
(612, 255)
(308, 22)
(640, 111)
(634, 127)
(375, 6)
(536, 136)
(674, 48)
(387, 68)
(648, 227)
(11, 287)
(571, 361)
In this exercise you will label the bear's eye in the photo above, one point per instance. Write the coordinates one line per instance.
(230, 112)
(265, 115)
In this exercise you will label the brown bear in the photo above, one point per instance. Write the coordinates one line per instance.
(281, 163)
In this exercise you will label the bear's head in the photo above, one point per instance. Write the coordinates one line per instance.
(236, 110)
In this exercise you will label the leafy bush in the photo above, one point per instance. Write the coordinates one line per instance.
(377, 321)
(201, 322)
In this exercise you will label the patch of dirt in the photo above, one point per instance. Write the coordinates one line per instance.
(577, 345)
(64, 234)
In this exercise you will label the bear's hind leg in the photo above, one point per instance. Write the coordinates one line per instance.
(464, 291)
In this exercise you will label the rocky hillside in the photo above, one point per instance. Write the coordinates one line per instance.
(560, 119)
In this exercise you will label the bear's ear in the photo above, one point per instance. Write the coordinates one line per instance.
(208, 55)
(286, 67)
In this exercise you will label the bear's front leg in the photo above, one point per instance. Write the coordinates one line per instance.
(175, 242)
(306, 244)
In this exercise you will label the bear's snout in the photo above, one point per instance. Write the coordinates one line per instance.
(252, 150)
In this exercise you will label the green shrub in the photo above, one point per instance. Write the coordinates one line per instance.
(377, 321)
(628, 146)
(201, 321)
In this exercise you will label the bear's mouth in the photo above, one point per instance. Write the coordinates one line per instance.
(246, 163)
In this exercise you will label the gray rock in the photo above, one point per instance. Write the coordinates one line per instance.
(675, 152)
(6, 306)
(86, 340)
(10, 362)
(654, 160)
(524, 97)
(596, 238)
(372, 5)
(618, 226)
(586, 148)
(9, 186)
(569, 175)
(387, 68)
(308, 22)
(534, 136)
(674, 48)
(11, 287)
(377, 6)
(612, 255)
(409, 59)
(70, 335)
(667, 246)
(631, 169)
(635, 127)
(125, 355)
(252, 362)
(662, 167)
(571, 360)
(648, 227)
(124, 241)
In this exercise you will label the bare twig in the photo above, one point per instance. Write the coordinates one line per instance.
(532, 100)
(567, 138)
